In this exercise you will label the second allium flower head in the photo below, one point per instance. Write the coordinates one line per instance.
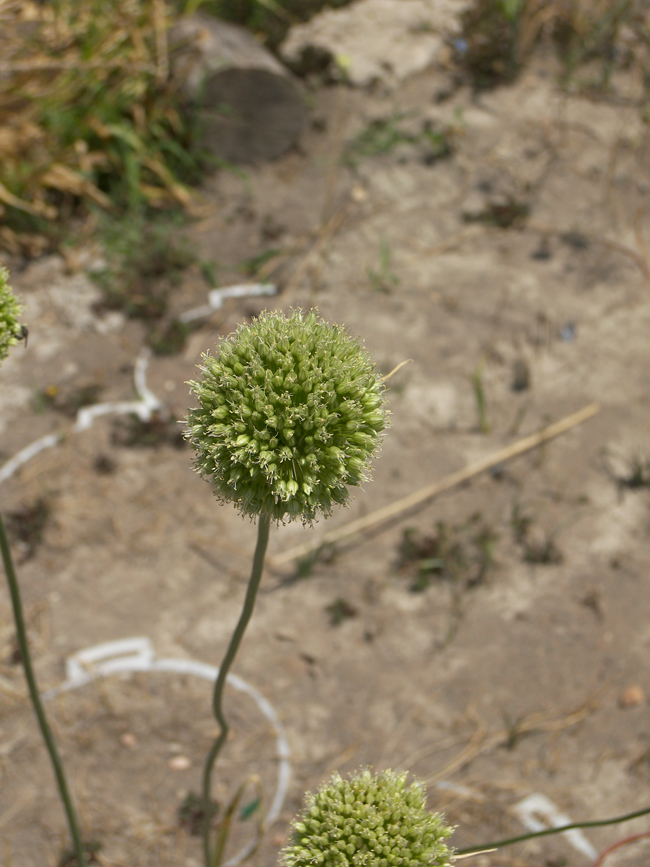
(10, 310)
(368, 821)
(291, 412)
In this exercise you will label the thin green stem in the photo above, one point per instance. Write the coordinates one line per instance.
(21, 635)
(596, 823)
(263, 528)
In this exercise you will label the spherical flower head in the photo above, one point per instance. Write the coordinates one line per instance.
(368, 821)
(10, 310)
(290, 414)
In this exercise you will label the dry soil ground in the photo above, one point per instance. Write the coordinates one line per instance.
(518, 668)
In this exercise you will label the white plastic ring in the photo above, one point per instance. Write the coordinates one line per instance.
(137, 654)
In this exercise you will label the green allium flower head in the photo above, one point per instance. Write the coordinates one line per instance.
(10, 310)
(368, 821)
(291, 412)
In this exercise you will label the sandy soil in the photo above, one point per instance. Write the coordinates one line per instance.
(518, 668)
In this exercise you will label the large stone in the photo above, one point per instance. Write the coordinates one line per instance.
(251, 108)
(378, 40)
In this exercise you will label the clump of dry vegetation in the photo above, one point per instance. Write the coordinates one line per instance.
(89, 115)
(91, 112)
(500, 35)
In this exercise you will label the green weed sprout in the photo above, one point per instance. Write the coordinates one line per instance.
(368, 821)
(11, 331)
(291, 412)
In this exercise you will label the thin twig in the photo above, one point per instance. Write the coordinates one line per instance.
(162, 53)
(325, 233)
(481, 742)
(395, 369)
(418, 497)
(619, 845)
(638, 256)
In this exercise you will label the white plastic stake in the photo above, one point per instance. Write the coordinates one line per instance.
(137, 654)
(216, 297)
(146, 405)
(537, 812)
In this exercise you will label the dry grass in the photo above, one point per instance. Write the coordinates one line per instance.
(89, 114)
(581, 26)
(501, 35)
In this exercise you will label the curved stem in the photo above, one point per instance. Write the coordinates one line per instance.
(601, 858)
(263, 528)
(21, 635)
(547, 832)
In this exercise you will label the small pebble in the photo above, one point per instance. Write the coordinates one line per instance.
(568, 332)
(179, 763)
(633, 696)
(542, 253)
(520, 375)
(128, 739)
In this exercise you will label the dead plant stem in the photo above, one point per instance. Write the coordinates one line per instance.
(415, 499)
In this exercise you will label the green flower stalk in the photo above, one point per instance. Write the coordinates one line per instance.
(11, 330)
(290, 416)
(368, 821)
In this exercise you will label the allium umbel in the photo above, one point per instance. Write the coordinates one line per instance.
(291, 413)
(10, 310)
(368, 821)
